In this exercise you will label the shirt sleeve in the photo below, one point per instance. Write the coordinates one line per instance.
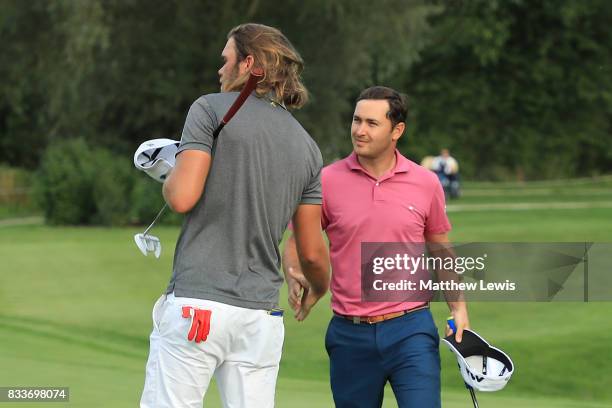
(312, 192)
(324, 220)
(199, 127)
(437, 220)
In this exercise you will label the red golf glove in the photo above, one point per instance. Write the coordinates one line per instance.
(200, 323)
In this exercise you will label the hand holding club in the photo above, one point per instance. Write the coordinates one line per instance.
(458, 322)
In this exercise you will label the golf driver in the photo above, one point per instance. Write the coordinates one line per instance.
(149, 243)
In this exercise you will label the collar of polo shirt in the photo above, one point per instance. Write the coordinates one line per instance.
(402, 165)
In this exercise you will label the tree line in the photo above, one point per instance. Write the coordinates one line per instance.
(517, 89)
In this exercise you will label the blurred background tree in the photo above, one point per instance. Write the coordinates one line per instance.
(119, 72)
(517, 89)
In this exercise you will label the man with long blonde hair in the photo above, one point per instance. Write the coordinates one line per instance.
(271, 49)
(219, 315)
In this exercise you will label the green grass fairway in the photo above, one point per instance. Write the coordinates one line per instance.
(75, 310)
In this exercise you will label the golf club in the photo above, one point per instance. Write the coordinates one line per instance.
(149, 243)
(451, 324)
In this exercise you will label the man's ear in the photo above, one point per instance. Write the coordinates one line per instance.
(247, 63)
(397, 131)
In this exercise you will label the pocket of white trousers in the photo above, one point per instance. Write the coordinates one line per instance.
(157, 313)
(276, 335)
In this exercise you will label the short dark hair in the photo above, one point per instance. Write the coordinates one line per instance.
(397, 102)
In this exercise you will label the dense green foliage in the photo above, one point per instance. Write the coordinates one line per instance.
(516, 88)
(120, 72)
(64, 186)
(77, 184)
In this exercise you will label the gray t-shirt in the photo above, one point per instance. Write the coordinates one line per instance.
(264, 165)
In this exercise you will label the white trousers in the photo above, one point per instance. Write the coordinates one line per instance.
(242, 351)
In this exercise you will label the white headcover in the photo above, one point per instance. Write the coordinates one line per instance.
(483, 367)
(156, 157)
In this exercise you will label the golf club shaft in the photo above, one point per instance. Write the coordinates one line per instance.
(474, 400)
(155, 220)
(453, 327)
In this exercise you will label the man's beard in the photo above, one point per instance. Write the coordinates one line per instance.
(229, 84)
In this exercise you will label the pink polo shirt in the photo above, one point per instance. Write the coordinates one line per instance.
(401, 206)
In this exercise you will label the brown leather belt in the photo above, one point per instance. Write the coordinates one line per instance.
(381, 318)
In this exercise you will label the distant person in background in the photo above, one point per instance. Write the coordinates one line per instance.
(447, 169)
(428, 162)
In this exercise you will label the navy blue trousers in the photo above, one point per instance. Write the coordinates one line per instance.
(403, 351)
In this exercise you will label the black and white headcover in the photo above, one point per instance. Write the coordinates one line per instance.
(156, 157)
(483, 367)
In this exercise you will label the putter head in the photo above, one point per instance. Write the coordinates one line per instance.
(148, 243)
